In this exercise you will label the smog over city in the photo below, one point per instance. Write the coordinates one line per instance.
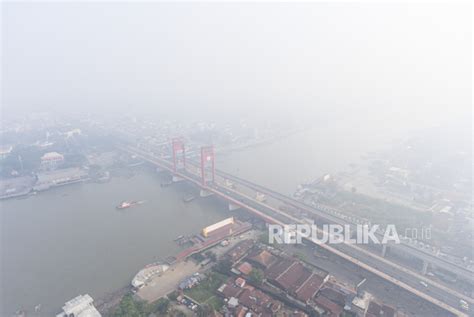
(244, 158)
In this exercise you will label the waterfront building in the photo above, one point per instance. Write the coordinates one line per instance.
(80, 306)
(17, 186)
(217, 226)
(59, 177)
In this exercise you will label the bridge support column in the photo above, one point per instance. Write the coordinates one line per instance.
(233, 207)
(205, 193)
(424, 270)
(384, 250)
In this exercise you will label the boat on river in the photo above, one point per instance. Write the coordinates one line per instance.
(129, 203)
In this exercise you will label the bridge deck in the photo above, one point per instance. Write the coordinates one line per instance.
(356, 255)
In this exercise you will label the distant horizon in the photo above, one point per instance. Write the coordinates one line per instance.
(240, 59)
(337, 137)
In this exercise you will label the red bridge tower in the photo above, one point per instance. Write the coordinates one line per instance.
(179, 161)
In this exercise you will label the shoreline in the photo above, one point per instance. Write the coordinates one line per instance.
(107, 303)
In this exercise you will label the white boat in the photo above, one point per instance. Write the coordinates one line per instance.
(128, 204)
(147, 273)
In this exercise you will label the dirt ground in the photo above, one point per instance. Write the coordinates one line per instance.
(162, 285)
(159, 286)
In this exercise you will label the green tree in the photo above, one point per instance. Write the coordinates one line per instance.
(224, 266)
(176, 313)
(128, 307)
(264, 238)
(256, 276)
(204, 310)
(162, 305)
(173, 296)
(198, 257)
(211, 255)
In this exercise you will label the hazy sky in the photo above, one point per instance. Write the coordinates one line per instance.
(405, 63)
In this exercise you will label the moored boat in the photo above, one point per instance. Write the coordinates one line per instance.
(147, 273)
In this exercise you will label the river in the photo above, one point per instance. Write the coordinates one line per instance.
(302, 157)
(72, 240)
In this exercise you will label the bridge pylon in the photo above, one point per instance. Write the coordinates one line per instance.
(179, 154)
(207, 161)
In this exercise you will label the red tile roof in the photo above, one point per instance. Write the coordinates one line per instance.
(264, 258)
(254, 300)
(245, 268)
(240, 250)
(278, 268)
(309, 288)
(240, 282)
(333, 295)
(240, 311)
(258, 302)
(230, 291)
(294, 277)
(328, 305)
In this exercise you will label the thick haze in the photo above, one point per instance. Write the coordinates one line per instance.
(402, 65)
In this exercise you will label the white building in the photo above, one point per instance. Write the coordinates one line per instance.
(80, 306)
(64, 176)
(51, 160)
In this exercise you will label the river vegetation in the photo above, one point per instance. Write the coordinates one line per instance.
(129, 307)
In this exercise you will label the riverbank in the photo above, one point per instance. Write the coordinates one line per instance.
(107, 303)
(48, 229)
